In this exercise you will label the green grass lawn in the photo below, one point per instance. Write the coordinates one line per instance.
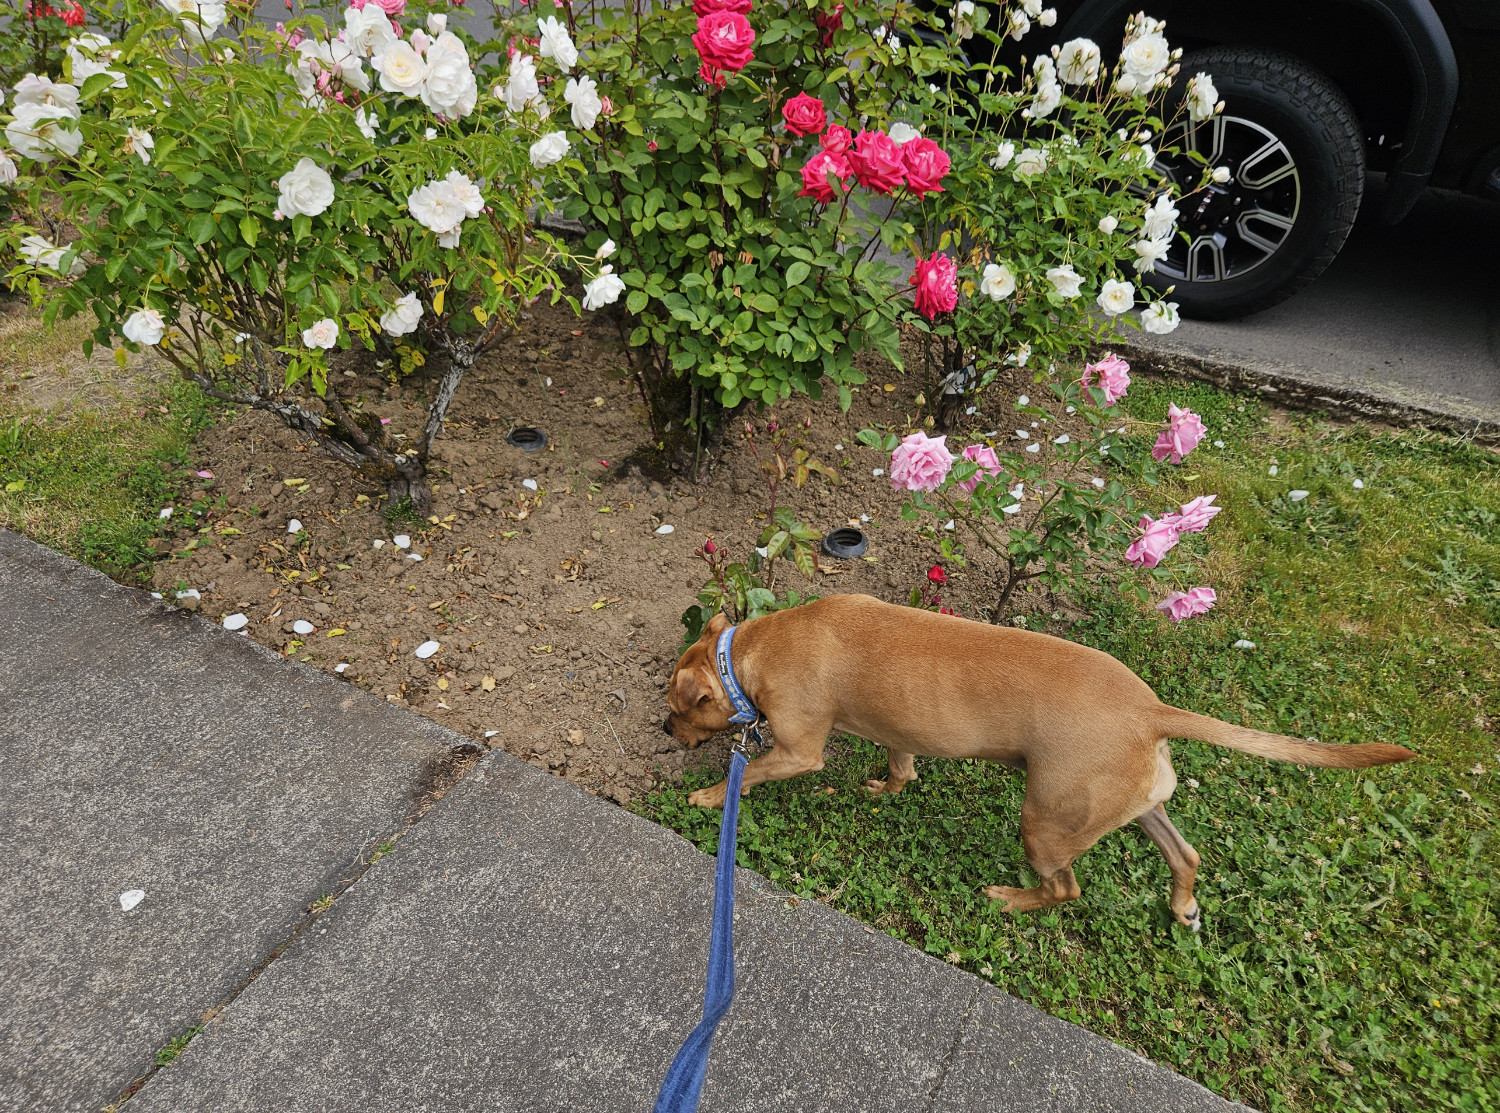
(88, 480)
(1346, 960)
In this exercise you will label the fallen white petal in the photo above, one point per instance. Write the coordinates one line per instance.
(1022, 434)
(761, 551)
(156, 595)
(302, 626)
(235, 622)
(529, 484)
(1033, 447)
(1274, 469)
(1097, 482)
(1359, 484)
(1218, 444)
(1296, 496)
(838, 448)
(377, 544)
(164, 512)
(1064, 439)
(972, 410)
(1018, 491)
(1071, 410)
(864, 517)
(401, 541)
(1192, 783)
(1023, 401)
(949, 524)
(294, 526)
(130, 898)
(549, 382)
(1016, 509)
(341, 666)
(413, 556)
(427, 649)
(1243, 644)
(190, 593)
(491, 733)
(877, 472)
(664, 529)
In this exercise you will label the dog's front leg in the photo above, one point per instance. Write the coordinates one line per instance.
(903, 771)
(789, 757)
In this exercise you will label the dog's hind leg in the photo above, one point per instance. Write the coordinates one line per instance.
(903, 768)
(1181, 858)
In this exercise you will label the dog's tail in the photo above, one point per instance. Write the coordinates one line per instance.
(1176, 723)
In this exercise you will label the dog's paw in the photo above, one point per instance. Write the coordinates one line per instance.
(708, 797)
(1192, 917)
(1009, 898)
(874, 788)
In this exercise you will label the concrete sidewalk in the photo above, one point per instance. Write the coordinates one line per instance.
(523, 947)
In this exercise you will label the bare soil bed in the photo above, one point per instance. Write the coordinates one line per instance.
(557, 608)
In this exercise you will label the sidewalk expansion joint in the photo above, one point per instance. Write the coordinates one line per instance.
(952, 1053)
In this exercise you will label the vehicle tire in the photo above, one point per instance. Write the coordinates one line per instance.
(1293, 145)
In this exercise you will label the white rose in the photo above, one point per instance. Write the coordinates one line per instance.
(548, 149)
(8, 171)
(323, 334)
(1048, 17)
(144, 326)
(140, 144)
(1033, 8)
(556, 43)
(1078, 63)
(1017, 25)
(37, 132)
(1030, 162)
(401, 69)
(40, 252)
(1107, 224)
(1116, 297)
(367, 123)
(603, 290)
(1065, 280)
(583, 94)
(902, 132)
(199, 20)
(1048, 97)
(997, 282)
(1221, 174)
(450, 237)
(1003, 155)
(32, 89)
(307, 189)
(1201, 97)
(522, 91)
(367, 30)
(1149, 252)
(606, 249)
(450, 87)
(467, 193)
(89, 55)
(967, 18)
(1145, 56)
(437, 207)
(437, 23)
(316, 57)
(403, 317)
(1160, 219)
(1160, 317)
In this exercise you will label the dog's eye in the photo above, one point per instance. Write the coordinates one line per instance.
(705, 697)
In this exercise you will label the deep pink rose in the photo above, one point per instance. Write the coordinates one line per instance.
(877, 162)
(829, 22)
(708, 7)
(725, 41)
(1113, 375)
(1197, 514)
(989, 466)
(1156, 540)
(804, 115)
(925, 163)
(1183, 432)
(815, 176)
(837, 140)
(920, 463)
(936, 280)
(713, 75)
(1186, 604)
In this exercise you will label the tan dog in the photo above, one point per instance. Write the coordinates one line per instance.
(1091, 735)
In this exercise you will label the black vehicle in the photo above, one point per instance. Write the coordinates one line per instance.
(1318, 93)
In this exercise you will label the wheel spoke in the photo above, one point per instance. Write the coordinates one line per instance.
(1213, 248)
(1267, 166)
(1276, 224)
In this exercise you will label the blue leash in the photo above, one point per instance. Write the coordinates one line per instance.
(683, 1086)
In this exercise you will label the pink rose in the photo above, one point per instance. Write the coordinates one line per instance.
(837, 140)
(828, 23)
(920, 463)
(877, 162)
(1183, 432)
(1156, 540)
(989, 466)
(1186, 604)
(925, 163)
(1197, 514)
(804, 115)
(724, 41)
(708, 7)
(713, 75)
(936, 280)
(815, 176)
(1113, 376)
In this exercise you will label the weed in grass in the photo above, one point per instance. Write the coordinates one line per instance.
(1346, 959)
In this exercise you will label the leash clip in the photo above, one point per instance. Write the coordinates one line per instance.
(747, 732)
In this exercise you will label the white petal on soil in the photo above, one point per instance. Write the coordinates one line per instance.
(838, 448)
(972, 410)
(1359, 484)
(401, 541)
(235, 622)
(529, 484)
(1071, 410)
(864, 517)
(1033, 447)
(294, 526)
(1022, 434)
(413, 556)
(1016, 509)
(164, 512)
(948, 524)
(377, 544)
(761, 551)
(1296, 496)
(303, 627)
(1097, 482)
(190, 593)
(877, 472)
(1023, 401)
(156, 595)
(491, 733)
(664, 529)
(1244, 644)
(1018, 491)
(1064, 439)
(130, 898)
(427, 649)
(341, 666)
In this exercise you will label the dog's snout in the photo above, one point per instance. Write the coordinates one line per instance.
(666, 724)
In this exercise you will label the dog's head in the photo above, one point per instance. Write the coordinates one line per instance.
(698, 706)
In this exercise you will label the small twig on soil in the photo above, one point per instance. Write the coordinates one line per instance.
(616, 734)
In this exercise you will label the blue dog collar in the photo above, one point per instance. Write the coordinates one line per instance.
(744, 710)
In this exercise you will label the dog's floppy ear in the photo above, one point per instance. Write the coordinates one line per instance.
(692, 686)
(716, 626)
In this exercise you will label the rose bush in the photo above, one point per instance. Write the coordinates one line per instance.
(249, 208)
